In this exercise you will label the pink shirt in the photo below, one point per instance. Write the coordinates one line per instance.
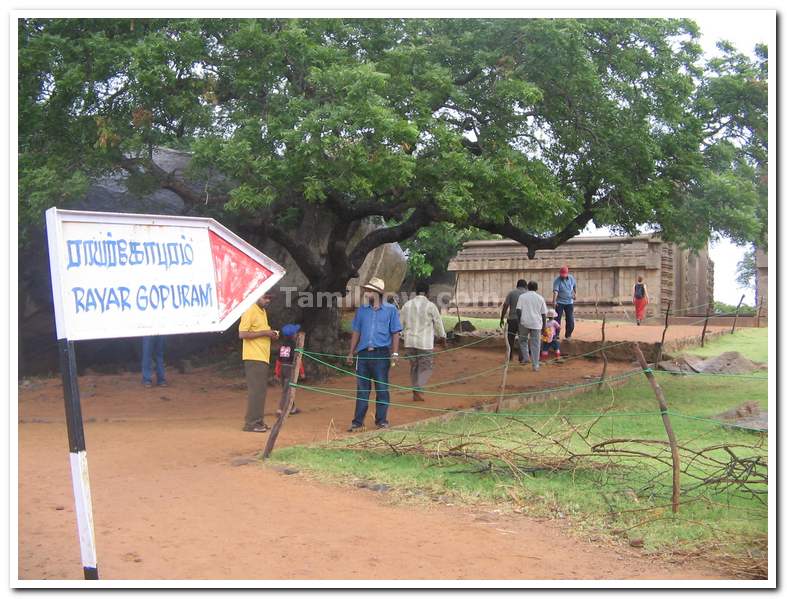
(552, 329)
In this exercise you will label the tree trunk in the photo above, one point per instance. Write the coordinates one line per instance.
(21, 347)
(322, 325)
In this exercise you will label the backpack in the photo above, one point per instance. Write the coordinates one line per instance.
(639, 291)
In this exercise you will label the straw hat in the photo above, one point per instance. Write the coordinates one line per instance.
(375, 284)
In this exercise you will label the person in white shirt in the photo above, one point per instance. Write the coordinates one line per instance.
(532, 312)
(422, 323)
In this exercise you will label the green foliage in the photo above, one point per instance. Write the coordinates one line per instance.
(745, 310)
(746, 271)
(751, 343)
(729, 191)
(526, 125)
(93, 91)
(44, 185)
(430, 250)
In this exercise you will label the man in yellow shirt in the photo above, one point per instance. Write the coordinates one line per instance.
(256, 334)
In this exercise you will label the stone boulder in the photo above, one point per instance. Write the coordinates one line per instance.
(37, 348)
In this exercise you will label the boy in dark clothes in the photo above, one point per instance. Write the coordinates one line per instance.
(284, 361)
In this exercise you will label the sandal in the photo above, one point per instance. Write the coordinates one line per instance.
(257, 428)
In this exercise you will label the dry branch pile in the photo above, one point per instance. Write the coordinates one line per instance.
(624, 470)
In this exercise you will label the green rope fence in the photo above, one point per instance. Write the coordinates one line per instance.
(410, 357)
(488, 337)
(459, 411)
(561, 360)
(393, 387)
(751, 377)
(507, 395)
(446, 393)
(475, 412)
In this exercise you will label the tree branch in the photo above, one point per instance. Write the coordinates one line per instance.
(300, 251)
(167, 180)
(534, 242)
(465, 79)
(420, 217)
(373, 207)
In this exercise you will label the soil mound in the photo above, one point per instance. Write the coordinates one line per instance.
(464, 326)
(746, 415)
(731, 362)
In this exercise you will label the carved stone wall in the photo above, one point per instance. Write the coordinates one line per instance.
(605, 268)
(761, 263)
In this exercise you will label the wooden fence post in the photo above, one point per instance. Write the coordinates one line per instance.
(505, 372)
(705, 326)
(735, 320)
(603, 353)
(456, 303)
(285, 405)
(759, 313)
(667, 426)
(664, 332)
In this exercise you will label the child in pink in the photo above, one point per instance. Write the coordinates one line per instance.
(549, 336)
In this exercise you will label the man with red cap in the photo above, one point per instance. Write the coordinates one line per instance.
(564, 292)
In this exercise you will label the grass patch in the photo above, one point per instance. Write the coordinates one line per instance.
(626, 498)
(750, 342)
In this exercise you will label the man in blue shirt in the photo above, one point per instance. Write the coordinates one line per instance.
(564, 292)
(376, 328)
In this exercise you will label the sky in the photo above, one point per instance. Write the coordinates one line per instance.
(744, 29)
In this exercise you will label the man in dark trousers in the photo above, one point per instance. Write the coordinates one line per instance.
(512, 325)
(153, 348)
(257, 335)
(564, 293)
(376, 328)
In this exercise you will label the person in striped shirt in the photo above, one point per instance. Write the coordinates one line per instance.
(422, 323)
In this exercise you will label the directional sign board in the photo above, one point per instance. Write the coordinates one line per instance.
(129, 275)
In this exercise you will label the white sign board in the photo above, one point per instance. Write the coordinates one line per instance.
(128, 275)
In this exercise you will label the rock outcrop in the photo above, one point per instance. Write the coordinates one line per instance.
(37, 348)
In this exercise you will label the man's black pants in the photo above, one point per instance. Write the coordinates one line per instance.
(513, 330)
(569, 310)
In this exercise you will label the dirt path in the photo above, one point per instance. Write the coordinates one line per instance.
(169, 504)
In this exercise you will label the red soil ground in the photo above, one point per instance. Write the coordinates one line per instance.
(169, 503)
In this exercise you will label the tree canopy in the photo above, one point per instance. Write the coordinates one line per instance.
(526, 128)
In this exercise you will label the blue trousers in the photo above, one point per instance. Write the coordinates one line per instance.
(569, 310)
(375, 365)
(153, 347)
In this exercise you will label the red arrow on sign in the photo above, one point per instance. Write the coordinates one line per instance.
(129, 275)
(237, 274)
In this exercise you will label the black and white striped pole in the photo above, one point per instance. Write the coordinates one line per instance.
(80, 480)
(78, 457)
(131, 275)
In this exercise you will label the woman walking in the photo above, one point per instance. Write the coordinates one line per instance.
(641, 299)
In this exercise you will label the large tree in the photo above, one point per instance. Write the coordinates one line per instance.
(527, 128)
